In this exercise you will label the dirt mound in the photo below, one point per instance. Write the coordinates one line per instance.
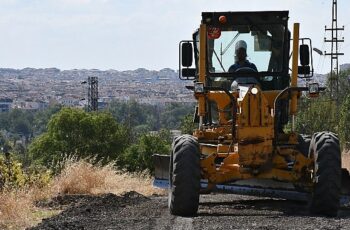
(82, 211)
(64, 201)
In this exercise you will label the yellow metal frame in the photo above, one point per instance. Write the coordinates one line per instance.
(202, 67)
(251, 153)
(231, 170)
(294, 82)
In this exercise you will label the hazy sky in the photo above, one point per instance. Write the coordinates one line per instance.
(128, 34)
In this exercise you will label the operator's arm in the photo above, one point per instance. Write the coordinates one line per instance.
(253, 66)
(233, 68)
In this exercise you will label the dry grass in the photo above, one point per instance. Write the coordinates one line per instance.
(141, 183)
(17, 209)
(82, 177)
(17, 206)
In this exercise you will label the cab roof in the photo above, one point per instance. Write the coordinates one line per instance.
(245, 17)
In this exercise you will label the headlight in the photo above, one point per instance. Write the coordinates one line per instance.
(313, 88)
(254, 90)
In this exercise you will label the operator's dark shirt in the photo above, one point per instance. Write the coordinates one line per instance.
(236, 66)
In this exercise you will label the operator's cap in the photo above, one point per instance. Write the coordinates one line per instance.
(241, 44)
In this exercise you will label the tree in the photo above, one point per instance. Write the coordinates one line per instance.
(138, 157)
(26, 122)
(134, 114)
(187, 125)
(4, 121)
(344, 123)
(325, 113)
(315, 115)
(22, 127)
(2, 139)
(42, 117)
(172, 115)
(344, 85)
(76, 132)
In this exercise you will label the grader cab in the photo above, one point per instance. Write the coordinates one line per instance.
(245, 68)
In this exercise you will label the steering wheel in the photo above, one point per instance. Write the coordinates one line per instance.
(245, 70)
(246, 79)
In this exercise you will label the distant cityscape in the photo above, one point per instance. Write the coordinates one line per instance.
(35, 89)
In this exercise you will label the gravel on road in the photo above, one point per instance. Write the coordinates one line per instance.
(216, 211)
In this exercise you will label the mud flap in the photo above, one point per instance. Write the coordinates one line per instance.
(161, 165)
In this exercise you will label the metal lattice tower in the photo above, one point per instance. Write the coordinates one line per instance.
(334, 83)
(93, 94)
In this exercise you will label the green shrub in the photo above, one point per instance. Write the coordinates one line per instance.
(76, 132)
(138, 157)
(12, 174)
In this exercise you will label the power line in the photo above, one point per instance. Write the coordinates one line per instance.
(93, 94)
(334, 81)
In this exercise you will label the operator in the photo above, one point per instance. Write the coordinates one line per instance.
(241, 58)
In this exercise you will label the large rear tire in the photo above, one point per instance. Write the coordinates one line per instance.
(325, 198)
(184, 173)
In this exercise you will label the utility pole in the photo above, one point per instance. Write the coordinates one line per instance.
(93, 94)
(334, 82)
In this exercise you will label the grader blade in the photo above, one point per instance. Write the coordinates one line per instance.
(253, 187)
(240, 189)
(161, 164)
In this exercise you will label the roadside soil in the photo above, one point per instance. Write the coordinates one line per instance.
(217, 211)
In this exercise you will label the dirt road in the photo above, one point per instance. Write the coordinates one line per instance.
(220, 211)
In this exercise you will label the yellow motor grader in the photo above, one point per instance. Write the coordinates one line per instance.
(246, 141)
